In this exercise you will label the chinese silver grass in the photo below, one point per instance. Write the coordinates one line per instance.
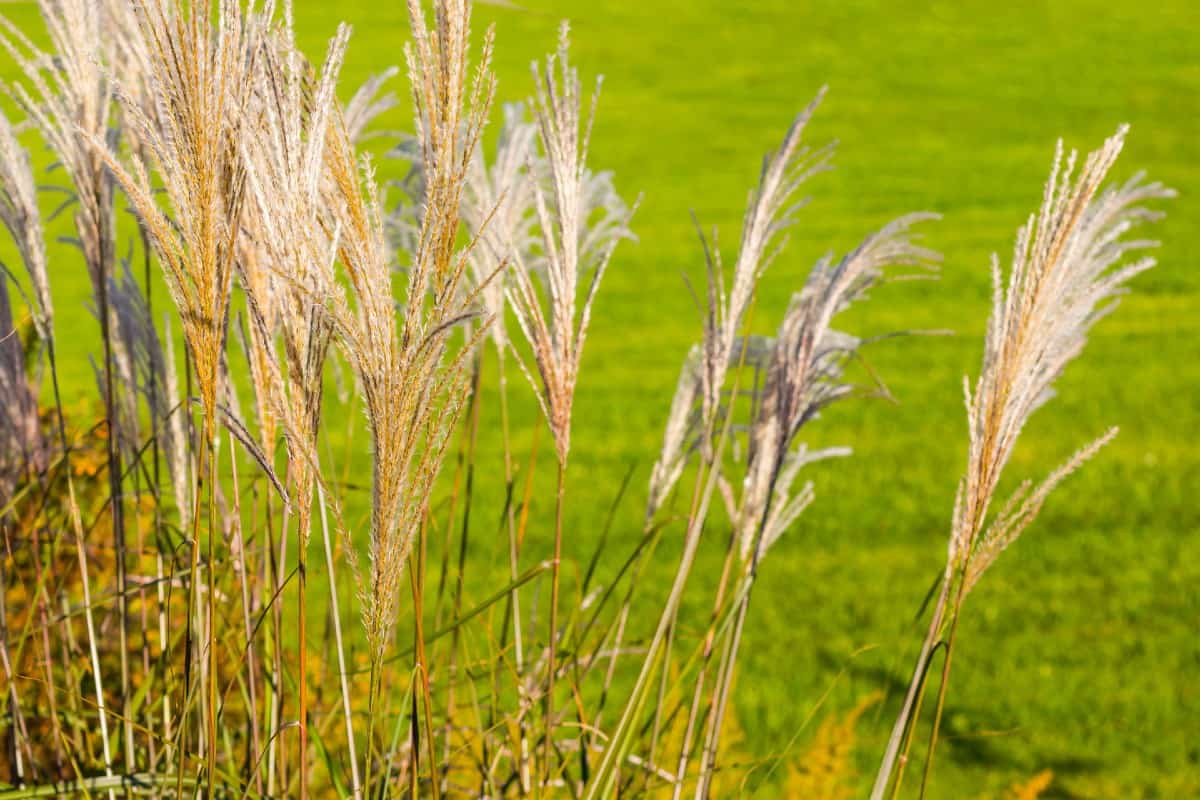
(770, 211)
(681, 430)
(1070, 263)
(22, 451)
(68, 99)
(368, 103)
(197, 79)
(498, 212)
(804, 366)
(67, 95)
(20, 431)
(258, 338)
(286, 271)
(698, 420)
(412, 390)
(1069, 267)
(199, 59)
(287, 279)
(581, 220)
(411, 386)
(451, 109)
(575, 242)
(174, 432)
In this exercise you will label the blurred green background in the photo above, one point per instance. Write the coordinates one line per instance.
(1080, 652)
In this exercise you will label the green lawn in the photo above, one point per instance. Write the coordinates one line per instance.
(1081, 650)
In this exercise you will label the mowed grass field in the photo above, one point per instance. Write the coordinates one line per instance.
(1080, 652)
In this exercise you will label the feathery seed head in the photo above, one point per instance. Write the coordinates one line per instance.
(1070, 263)
(198, 78)
(804, 366)
(19, 213)
(575, 242)
(411, 387)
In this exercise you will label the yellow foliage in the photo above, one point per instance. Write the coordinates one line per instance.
(826, 770)
(1032, 788)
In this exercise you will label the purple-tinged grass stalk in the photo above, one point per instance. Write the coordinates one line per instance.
(804, 367)
(1070, 263)
(770, 211)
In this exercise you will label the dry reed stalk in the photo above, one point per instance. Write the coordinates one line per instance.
(1069, 265)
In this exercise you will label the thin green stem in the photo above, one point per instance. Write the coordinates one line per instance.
(355, 782)
(213, 533)
(552, 644)
(888, 764)
(943, 686)
(417, 581)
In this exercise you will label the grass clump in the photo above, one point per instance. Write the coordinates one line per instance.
(205, 666)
